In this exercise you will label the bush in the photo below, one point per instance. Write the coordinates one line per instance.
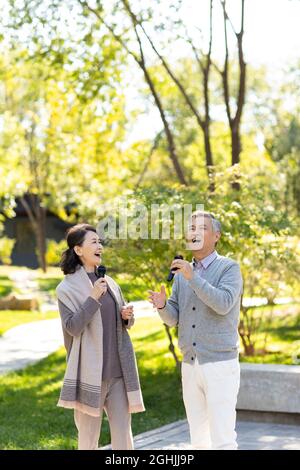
(54, 251)
(6, 247)
(255, 231)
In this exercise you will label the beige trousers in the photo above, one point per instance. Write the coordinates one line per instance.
(115, 403)
(210, 395)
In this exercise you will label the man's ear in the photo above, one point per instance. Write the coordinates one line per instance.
(218, 236)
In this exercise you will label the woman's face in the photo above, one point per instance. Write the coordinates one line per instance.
(90, 251)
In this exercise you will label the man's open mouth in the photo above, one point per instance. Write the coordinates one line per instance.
(98, 254)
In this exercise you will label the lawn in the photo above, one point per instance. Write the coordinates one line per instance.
(29, 418)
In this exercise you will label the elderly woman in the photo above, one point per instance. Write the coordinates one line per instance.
(101, 370)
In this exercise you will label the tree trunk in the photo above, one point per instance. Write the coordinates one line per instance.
(235, 152)
(168, 132)
(234, 119)
(209, 158)
(172, 347)
(37, 217)
(205, 69)
(41, 237)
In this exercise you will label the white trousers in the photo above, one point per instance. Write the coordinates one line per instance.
(210, 394)
(115, 403)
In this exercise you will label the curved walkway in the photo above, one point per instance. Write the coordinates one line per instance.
(28, 343)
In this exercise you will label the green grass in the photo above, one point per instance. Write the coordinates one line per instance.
(29, 418)
(6, 285)
(48, 284)
(47, 281)
(11, 318)
(283, 343)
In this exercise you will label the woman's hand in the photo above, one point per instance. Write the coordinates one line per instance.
(127, 312)
(99, 288)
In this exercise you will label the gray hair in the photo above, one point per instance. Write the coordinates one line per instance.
(216, 224)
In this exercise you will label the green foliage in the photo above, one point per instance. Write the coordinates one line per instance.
(279, 325)
(256, 232)
(6, 285)
(54, 251)
(6, 247)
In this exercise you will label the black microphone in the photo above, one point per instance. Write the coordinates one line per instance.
(172, 273)
(100, 271)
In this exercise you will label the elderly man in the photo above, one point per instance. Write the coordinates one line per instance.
(205, 304)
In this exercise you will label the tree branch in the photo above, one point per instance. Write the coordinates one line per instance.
(141, 62)
(29, 212)
(179, 85)
(224, 72)
(152, 150)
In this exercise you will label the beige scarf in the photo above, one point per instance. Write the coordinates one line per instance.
(81, 388)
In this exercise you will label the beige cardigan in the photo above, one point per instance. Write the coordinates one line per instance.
(81, 388)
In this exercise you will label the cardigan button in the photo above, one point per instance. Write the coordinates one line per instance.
(194, 308)
(193, 326)
(194, 344)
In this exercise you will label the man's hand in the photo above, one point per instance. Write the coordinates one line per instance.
(158, 299)
(127, 312)
(184, 268)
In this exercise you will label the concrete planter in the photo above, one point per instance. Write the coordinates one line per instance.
(270, 388)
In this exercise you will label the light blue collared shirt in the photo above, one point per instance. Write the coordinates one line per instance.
(199, 266)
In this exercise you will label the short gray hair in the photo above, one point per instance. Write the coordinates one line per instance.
(216, 224)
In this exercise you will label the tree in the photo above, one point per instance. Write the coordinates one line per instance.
(276, 114)
(204, 64)
(234, 118)
(255, 232)
(139, 58)
(55, 146)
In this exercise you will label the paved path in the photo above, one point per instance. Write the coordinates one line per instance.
(251, 436)
(28, 343)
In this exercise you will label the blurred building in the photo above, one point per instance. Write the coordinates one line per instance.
(20, 229)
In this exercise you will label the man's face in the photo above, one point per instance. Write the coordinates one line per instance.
(200, 235)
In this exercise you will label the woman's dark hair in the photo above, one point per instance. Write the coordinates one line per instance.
(75, 236)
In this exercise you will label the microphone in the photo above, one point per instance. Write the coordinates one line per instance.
(100, 271)
(172, 273)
